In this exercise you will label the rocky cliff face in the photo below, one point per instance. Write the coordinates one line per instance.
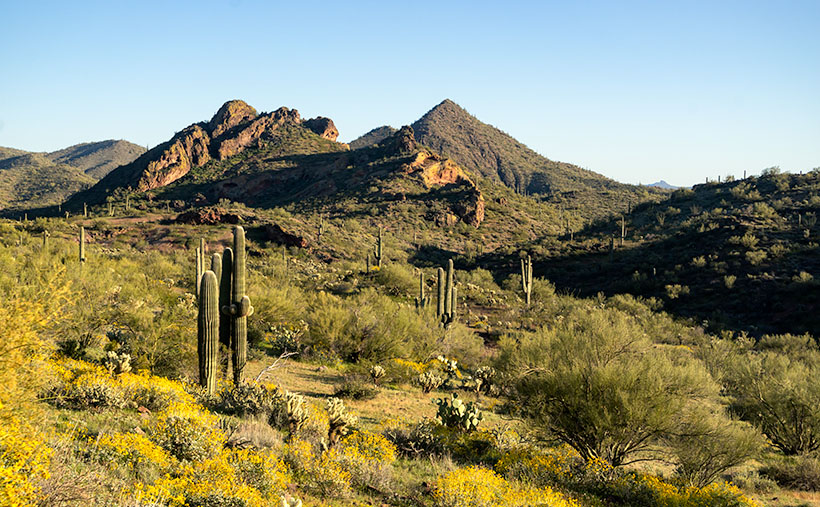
(235, 127)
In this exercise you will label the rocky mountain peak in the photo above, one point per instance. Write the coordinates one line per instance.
(231, 114)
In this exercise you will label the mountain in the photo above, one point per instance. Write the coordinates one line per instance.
(663, 184)
(235, 128)
(99, 158)
(30, 180)
(373, 137)
(493, 154)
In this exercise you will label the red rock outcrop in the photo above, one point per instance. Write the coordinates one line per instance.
(188, 149)
(275, 233)
(250, 134)
(471, 209)
(322, 126)
(207, 216)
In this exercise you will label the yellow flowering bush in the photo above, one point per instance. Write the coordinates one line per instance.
(371, 446)
(538, 466)
(230, 478)
(645, 489)
(480, 487)
(320, 474)
(133, 450)
(24, 461)
(187, 432)
(368, 458)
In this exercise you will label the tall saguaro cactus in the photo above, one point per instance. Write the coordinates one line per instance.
(240, 308)
(448, 294)
(421, 301)
(200, 269)
(82, 244)
(440, 294)
(526, 278)
(378, 250)
(225, 288)
(85, 210)
(208, 331)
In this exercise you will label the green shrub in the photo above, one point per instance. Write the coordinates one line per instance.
(798, 472)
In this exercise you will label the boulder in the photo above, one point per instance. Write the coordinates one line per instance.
(322, 126)
(208, 216)
(275, 233)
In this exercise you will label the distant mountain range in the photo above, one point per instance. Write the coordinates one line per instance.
(663, 184)
(30, 180)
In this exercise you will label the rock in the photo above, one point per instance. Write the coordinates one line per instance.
(251, 133)
(188, 149)
(275, 233)
(402, 141)
(471, 209)
(207, 216)
(231, 114)
(446, 219)
(322, 126)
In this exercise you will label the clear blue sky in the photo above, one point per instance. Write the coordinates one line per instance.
(637, 91)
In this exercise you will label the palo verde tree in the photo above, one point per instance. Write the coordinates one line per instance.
(596, 382)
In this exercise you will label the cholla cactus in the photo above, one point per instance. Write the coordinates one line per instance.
(429, 381)
(454, 413)
(296, 413)
(289, 501)
(117, 364)
(376, 373)
(484, 378)
(450, 366)
(339, 420)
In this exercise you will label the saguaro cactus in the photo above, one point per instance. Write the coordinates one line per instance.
(225, 288)
(320, 230)
(421, 301)
(200, 267)
(448, 294)
(82, 244)
(440, 294)
(45, 240)
(378, 251)
(240, 308)
(208, 331)
(526, 278)
(85, 210)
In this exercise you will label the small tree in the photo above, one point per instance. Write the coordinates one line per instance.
(595, 382)
(781, 396)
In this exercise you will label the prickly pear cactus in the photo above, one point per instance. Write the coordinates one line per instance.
(454, 413)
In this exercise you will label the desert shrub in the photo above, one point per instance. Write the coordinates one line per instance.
(480, 487)
(789, 344)
(779, 395)
(398, 279)
(797, 472)
(802, 277)
(231, 478)
(674, 291)
(594, 381)
(368, 458)
(187, 432)
(712, 444)
(24, 462)
(756, 257)
(139, 454)
(318, 474)
(729, 281)
(356, 388)
(246, 399)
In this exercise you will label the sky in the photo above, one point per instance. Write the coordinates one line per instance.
(637, 91)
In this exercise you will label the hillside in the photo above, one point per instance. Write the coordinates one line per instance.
(709, 253)
(99, 158)
(31, 180)
(235, 128)
(373, 137)
(493, 154)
